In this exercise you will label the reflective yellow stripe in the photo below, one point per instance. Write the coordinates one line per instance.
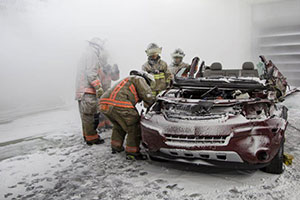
(159, 76)
(156, 76)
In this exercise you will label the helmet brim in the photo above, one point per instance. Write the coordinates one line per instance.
(154, 51)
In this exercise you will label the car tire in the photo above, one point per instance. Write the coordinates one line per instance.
(276, 165)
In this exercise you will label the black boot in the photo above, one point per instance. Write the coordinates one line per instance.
(136, 156)
(96, 141)
(115, 150)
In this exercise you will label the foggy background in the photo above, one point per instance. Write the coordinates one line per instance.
(41, 40)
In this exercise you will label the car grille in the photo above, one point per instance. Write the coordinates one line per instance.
(200, 117)
(194, 140)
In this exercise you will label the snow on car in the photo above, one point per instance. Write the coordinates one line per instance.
(225, 118)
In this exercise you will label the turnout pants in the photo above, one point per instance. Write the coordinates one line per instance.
(88, 108)
(126, 121)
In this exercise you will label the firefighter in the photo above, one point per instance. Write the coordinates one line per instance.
(178, 63)
(89, 89)
(118, 105)
(107, 74)
(158, 68)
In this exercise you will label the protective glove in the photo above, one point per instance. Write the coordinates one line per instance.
(287, 159)
(99, 92)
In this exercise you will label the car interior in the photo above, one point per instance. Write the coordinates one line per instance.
(215, 70)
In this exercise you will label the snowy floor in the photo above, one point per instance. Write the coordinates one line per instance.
(43, 156)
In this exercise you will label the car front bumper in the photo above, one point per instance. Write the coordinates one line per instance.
(219, 163)
(240, 144)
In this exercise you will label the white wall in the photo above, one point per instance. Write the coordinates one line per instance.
(277, 36)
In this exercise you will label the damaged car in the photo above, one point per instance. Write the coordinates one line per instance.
(220, 117)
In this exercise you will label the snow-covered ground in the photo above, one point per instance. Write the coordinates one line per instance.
(43, 156)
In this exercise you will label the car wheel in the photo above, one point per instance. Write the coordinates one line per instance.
(276, 165)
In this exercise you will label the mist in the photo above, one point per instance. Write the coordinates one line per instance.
(41, 41)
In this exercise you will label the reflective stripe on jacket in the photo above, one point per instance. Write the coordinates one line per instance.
(161, 73)
(126, 94)
(159, 76)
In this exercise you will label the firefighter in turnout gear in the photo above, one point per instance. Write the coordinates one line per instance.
(178, 63)
(158, 68)
(118, 105)
(89, 89)
(107, 74)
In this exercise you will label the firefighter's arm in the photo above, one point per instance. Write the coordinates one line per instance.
(144, 92)
(93, 78)
(95, 83)
(168, 74)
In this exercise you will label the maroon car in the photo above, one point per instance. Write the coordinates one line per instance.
(216, 117)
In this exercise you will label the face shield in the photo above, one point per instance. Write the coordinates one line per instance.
(177, 60)
(177, 56)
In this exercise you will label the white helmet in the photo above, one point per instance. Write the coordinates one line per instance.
(153, 49)
(149, 78)
(178, 53)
